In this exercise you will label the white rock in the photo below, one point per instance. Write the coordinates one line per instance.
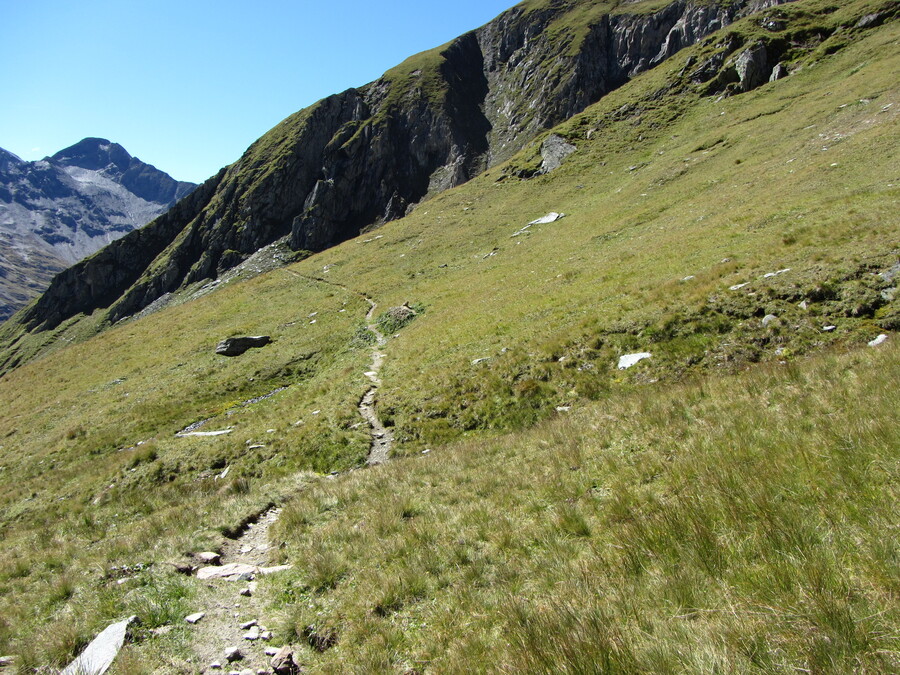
(271, 651)
(738, 286)
(215, 665)
(195, 618)
(828, 329)
(205, 433)
(248, 624)
(551, 217)
(775, 274)
(252, 634)
(768, 318)
(475, 362)
(100, 653)
(629, 360)
(881, 339)
(229, 571)
(233, 654)
(563, 408)
(209, 557)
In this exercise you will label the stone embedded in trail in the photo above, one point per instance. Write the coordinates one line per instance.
(237, 571)
(629, 360)
(100, 653)
(233, 654)
(235, 346)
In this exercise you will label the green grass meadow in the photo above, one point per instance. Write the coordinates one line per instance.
(728, 505)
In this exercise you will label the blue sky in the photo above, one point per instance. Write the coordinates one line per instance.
(188, 85)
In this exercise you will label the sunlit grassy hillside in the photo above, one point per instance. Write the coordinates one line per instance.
(725, 505)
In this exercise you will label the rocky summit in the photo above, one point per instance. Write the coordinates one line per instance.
(56, 211)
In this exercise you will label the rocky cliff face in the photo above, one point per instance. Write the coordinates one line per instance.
(56, 211)
(367, 155)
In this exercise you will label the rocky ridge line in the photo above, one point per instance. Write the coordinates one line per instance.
(367, 155)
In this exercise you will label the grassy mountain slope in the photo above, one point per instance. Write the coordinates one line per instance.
(736, 522)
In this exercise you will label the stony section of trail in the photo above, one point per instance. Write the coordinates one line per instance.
(382, 438)
(232, 612)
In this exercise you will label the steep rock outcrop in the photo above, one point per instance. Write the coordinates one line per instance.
(365, 156)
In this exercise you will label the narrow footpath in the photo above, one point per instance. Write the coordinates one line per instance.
(232, 616)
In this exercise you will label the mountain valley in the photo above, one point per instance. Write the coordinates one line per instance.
(452, 262)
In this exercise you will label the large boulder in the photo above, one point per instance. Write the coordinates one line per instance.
(235, 346)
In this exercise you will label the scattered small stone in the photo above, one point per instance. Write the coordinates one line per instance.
(775, 274)
(183, 568)
(6, 661)
(426, 451)
(629, 360)
(475, 362)
(689, 278)
(209, 557)
(248, 624)
(233, 654)
(284, 662)
(246, 592)
(803, 305)
(215, 665)
(738, 286)
(881, 339)
(828, 329)
(265, 635)
(253, 633)
(271, 651)
(563, 408)
(194, 618)
(768, 318)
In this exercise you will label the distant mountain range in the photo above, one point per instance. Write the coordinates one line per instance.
(61, 209)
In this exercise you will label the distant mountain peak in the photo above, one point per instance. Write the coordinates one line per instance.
(94, 154)
(56, 211)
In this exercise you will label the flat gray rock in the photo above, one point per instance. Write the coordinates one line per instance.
(554, 152)
(99, 655)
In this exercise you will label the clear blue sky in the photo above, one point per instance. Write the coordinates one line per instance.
(187, 85)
